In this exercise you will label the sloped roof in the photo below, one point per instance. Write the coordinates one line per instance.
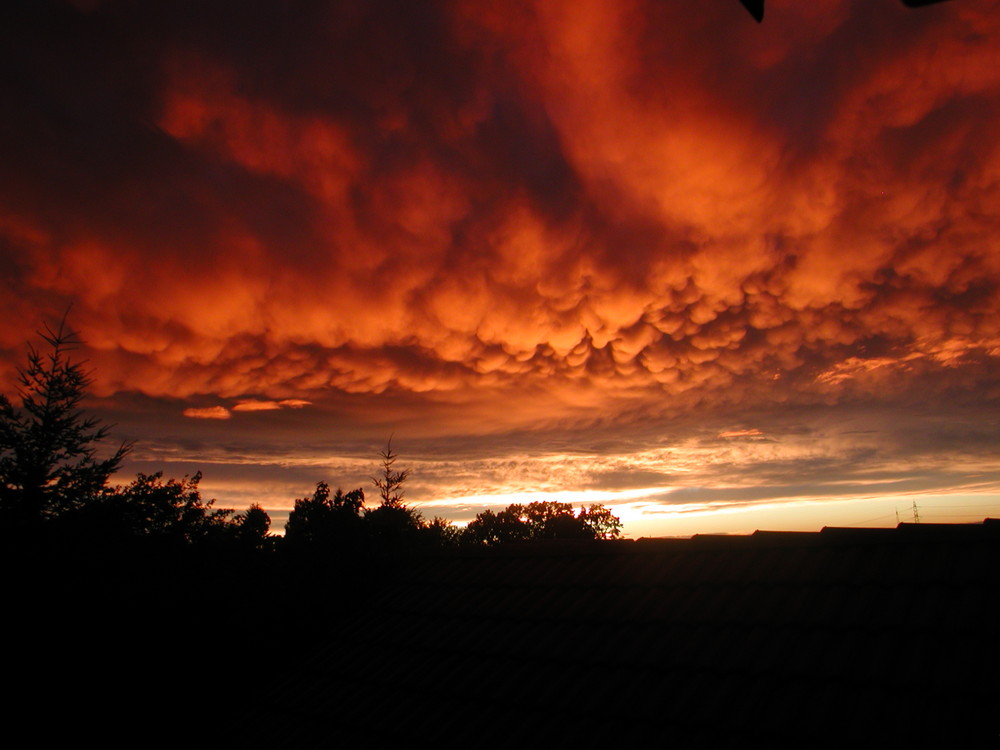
(811, 638)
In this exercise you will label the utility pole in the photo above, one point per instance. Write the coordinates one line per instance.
(916, 515)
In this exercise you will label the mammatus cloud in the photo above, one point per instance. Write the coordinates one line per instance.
(471, 220)
(576, 213)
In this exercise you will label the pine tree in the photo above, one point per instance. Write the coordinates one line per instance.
(48, 447)
(391, 482)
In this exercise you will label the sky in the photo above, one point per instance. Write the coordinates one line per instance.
(717, 275)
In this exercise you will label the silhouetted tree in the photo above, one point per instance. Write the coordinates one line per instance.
(552, 520)
(495, 528)
(251, 527)
(172, 510)
(324, 519)
(393, 527)
(48, 448)
(542, 520)
(441, 533)
(390, 484)
(604, 524)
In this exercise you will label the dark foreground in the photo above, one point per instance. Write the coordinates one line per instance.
(812, 639)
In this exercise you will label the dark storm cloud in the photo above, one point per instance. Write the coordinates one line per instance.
(512, 222)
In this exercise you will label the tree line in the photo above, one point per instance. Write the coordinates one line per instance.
(52, 479)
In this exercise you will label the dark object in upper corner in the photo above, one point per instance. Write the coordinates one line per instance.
(756, 7)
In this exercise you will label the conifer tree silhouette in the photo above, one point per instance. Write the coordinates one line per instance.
(390, 484)
(48, 447)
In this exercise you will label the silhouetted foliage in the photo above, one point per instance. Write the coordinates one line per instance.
(393, 526)
(171, 510)
(542, 520)
(251, 527)
(494, 528)
(324, 519)
(390, 484)
(49, 470)
(553, 520)
(48, 448)
(602, 522)
(441, 533)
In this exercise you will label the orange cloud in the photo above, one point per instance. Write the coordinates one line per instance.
(257, 405)
(207, 412)
(741, 433)
(526, 215)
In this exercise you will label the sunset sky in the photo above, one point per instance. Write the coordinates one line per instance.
(715, 274)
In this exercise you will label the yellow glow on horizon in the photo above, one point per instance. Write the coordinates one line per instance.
(698, 507)
(809, 514)
(575, 497)
(643, 516)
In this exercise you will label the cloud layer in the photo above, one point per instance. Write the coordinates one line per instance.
(470, 219)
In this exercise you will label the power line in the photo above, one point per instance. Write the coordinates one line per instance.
(869, 520)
